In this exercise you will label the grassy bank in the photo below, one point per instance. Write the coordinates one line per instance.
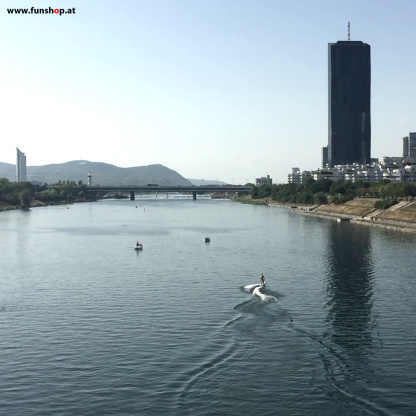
(247, 199)
(359, 207)
(401, 215)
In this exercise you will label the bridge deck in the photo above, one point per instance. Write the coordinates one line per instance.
(191, 189)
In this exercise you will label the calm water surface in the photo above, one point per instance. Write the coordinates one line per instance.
(89, 326)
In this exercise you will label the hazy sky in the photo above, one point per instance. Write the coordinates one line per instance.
(214, 89)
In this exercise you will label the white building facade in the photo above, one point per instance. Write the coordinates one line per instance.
(393, 169)
(20, 166)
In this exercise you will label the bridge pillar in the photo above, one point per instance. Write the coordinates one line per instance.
(132, 196)
(194, 196)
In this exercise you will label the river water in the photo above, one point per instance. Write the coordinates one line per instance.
(89, 326)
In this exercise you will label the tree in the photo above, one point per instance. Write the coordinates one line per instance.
(322, 185)
(338, 188)
(320, 198)
(264, 191)
(25, 198)
(254, 191)
(309, 182)
(363, 191)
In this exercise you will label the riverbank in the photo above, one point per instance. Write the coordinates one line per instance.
(36, 203)
(401, 216)
(269, 202)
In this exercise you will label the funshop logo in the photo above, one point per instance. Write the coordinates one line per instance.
(34, 10)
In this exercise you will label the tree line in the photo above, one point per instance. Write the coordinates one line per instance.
(324, 191)
(21, 194)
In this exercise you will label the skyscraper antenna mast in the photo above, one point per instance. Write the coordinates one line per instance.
(348, 30)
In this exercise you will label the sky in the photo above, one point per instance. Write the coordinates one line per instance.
(227, 90)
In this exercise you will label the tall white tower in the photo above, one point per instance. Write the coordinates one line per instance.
(20, 166)
(89, 179)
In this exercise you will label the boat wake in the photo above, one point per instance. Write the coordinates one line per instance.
(250, 288)
(258, 290)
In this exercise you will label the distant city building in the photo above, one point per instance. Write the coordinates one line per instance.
(409, 173)
(395, 169)
(297, 176)
(324, 160)
(409, 146)
(412, 145)
(265, 180)
(405, 146)
(349, 117)
(20, 166)
(392, 161)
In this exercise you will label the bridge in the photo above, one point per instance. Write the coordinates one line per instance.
(194, 190)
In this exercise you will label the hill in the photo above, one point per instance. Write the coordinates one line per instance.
(102, 174)
(8, 171)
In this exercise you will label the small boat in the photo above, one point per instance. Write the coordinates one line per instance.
(140, 247)
(207, 239)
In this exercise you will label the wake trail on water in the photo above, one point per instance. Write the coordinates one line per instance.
(337, 371)
(206, 370)
(257, 290)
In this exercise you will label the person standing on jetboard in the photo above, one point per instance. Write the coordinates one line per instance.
(262, 280)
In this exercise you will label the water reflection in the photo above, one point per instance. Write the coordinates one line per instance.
(350, 274)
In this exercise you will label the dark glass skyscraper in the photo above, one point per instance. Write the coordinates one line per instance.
(349, 117)
(409, 146)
